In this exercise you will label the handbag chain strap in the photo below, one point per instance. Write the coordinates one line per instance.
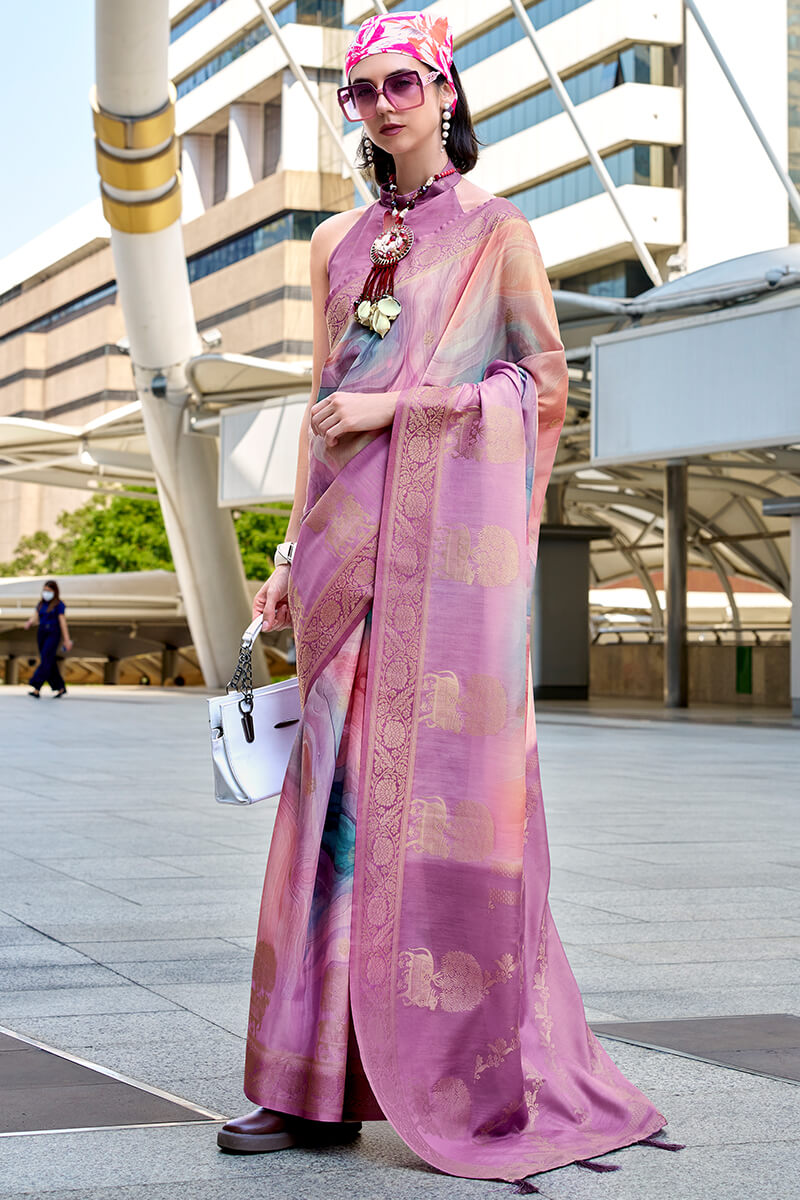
(242, 678)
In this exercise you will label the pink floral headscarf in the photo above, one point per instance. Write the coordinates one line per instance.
(415, 33)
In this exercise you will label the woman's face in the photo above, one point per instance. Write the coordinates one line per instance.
(403, 129)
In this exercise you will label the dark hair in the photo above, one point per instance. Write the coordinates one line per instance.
(51, 583)
(462, 144)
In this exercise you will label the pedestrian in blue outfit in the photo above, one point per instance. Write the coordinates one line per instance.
(52, 627)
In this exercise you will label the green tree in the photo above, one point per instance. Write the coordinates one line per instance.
(120, 534)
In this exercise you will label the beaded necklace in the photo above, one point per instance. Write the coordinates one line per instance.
(377, 307)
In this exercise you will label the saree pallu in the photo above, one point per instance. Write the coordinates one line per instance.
(409, 870)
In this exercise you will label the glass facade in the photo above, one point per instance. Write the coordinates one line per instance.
(541, 12)
(793, 12)
(299, 12)
(649, 165)
(637, 64)
(193, 18)
(291, 226)
(615, 281)
(64, 311)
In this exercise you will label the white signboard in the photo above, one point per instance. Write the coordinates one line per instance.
(258, 451)
(721, 381)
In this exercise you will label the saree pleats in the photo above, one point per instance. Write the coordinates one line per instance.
(409, 870)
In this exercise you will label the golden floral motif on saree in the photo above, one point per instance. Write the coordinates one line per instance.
(494, 433)
(448, 1106)
(500, 896)
(541, 1000)
(479, 708)
(464, 835)
(495, 1054)
(489, 558)
(263, 981)
(460, 984)
(345, 523)
(332, 1028)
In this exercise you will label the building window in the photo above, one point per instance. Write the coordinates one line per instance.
(220, 166)
(11, 294)
(299, 12)
(193, 18)
(616, 281)
(291, 226)
(648, 165)
(542, 12)
(638, 64)
(65, 312)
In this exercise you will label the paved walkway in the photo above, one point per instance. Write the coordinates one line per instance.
(128, 903)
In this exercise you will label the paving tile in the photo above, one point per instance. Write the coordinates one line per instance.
(163, 949)
(671, 900)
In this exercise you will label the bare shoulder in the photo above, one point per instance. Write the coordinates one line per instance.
(470, 195)
(330, 232)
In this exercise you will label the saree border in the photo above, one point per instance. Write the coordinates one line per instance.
(401, 602)
(349, 592)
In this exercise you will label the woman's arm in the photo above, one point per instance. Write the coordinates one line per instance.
(270, 600)
(32, 620)
(62, 621)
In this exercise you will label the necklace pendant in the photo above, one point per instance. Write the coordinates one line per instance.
(389, 247)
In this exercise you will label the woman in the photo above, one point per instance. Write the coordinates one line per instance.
(407, 964)
(52, 629)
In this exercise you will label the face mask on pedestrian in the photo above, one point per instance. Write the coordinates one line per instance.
(47, 594)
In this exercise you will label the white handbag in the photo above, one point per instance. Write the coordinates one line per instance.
(252, 732)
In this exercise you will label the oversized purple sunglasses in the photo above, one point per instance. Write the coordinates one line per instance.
(403, 89)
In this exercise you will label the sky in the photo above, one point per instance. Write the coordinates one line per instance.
(48, 141)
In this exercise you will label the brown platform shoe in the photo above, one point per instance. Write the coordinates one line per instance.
(262, 1130)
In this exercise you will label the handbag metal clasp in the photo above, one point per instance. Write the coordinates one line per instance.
(245, 707)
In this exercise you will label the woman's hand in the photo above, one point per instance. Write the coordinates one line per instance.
(68, 644)
(351, 412)
(270, 600)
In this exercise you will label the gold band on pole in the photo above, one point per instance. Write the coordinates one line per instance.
(135, 133)
(143, 216)
(138, 174)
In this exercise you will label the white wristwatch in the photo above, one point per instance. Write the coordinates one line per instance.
(283, 554)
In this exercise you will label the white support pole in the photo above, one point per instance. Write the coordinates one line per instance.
(780, 170)
(132, 38)
(645, 257)
(302, 78)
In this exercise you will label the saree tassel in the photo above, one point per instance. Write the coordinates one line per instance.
(651, 1141)
(598, 1166)
(376, 307)
(523, 1188)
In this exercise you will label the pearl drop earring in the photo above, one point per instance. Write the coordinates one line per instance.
(446, 118)
(368, 155)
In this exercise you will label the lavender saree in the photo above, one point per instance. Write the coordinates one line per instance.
(409, 869)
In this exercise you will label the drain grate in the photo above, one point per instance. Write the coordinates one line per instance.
(44, 1090)
(761, 1043)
